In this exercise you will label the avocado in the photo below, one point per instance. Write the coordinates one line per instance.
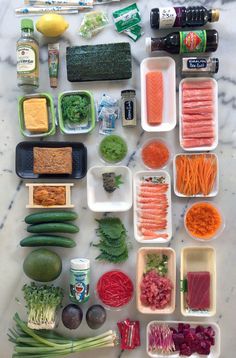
(42, 265)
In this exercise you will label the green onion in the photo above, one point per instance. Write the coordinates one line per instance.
(45, 344)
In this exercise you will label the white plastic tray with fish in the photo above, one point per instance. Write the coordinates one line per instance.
(167, 66)
(195, 259)
(215, 118)
(215, 188)
(215, 350)
(137, 180)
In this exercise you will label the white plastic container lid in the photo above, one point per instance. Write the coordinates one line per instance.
(80, 264)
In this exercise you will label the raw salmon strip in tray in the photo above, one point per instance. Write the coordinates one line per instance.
(198, 114)
(152, 207)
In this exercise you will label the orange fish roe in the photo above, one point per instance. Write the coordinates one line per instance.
(155, 154)
(203, 220)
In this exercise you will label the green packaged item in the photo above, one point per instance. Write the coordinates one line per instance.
(126, 18)
(92, 23)
(134, 32)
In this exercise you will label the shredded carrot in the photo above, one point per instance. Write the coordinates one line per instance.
(155, 154)
(195, 174)
(203, 220)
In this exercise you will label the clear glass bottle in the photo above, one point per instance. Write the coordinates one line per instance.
(27, 50)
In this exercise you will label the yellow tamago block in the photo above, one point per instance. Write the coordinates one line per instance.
(36, 115)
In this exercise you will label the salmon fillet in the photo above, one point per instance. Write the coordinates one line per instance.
(155, 93)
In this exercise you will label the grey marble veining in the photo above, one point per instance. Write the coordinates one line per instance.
(13, 194)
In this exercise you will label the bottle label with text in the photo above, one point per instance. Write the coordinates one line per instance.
(26, 59)
(192, 41)
(169, 17)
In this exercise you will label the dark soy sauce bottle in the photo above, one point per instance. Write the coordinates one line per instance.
(199, 41)
(192, 16)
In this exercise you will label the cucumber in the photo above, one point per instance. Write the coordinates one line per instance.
(47, 240)
(53, 227)
(51, 216)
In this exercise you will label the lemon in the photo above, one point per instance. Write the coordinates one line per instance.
(52, 25)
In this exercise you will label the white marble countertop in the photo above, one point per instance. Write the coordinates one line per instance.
(13, 197)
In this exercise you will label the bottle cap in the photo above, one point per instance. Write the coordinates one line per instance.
(80, 264)
(215, 62)
(215, 15)
(128, 91)
(53, 82)
(148, 44)
(154, 18)
(27, 24)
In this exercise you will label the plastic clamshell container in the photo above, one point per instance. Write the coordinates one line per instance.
(215, 189)
(88, 125)
(140, 268)
(136, 181)
(167, 66)
(195, 259)
(215, 350)
(101, 201)
(215, 115)
(67, 187)
(51, 115)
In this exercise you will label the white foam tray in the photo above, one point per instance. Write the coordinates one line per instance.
(101, 201)
(215, 350)
(215, 88)
(136, 181)
(198, 258)
(215, 189)
(167, 66)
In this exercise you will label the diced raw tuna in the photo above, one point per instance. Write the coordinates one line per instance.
(198, 296)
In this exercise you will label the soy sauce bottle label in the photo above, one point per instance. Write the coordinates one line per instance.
(192, 41)
(167, 17)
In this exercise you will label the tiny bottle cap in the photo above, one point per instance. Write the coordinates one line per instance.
(27, 24)
(215, 61)
(154, 19)
(128, 91)
(80, 264)
(148, 44)
(215, 15)
(53, 82)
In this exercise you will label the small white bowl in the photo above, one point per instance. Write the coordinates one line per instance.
(215, 188)
(153, 139)
(101, 201)
(217, 233)
(167, 66)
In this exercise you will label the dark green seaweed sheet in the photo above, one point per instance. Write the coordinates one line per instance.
(99, 62)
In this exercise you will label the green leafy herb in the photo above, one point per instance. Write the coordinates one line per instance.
(158, 263)
(113, 240)
(75, 108)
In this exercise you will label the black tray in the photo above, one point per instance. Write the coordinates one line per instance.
(24, 160)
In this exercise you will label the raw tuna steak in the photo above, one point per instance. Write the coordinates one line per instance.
(198, 297)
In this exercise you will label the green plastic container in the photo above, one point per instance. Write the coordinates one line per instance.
(71, 128)
(51, 115)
